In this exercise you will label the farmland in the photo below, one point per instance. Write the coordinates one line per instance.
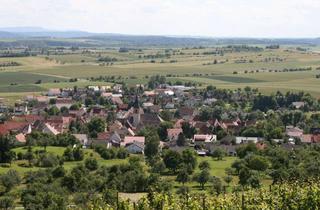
(269, 70)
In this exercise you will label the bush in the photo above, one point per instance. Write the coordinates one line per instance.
(78, 154)
(108, 154)
(58, 172)
(47, 160)
(5, 165)
(122, 153)
(91, 164)
(10, 179)
(6, 202)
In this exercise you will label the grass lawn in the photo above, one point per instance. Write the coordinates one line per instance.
(58, 151)
(217, 168)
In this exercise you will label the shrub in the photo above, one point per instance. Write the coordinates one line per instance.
(47, 160)
(91, 164)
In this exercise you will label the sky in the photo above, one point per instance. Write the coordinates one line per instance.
(214, 18)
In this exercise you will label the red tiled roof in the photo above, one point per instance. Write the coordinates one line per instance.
(178, 124)
(174, 132)
(123, 106)
(184, 111)
(132, 139)
(8, 126)
(306, 138)
(316, 138)
(28, 118)
(103, 136)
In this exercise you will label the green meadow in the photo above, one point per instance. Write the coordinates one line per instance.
(262, 70)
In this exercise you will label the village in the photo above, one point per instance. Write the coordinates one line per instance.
(176, 111)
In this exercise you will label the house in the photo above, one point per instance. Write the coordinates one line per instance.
(180, 88)
(77, 113)
(115, 126)
(3, 108)
(31, 118)
(169, 106)
(186, 113)
(204, 138)
(173, 133)
(245, 140)
(21, 138)
(306, 138)
(42, 99)
(102, 139)
(47, 128)
(64, 102)
(106, 94)
(131, 139)
(54, 92)
(21, 109)
(191, 102)
(230, 125)
(298, 104)
(154, 109)
(123, 107)
(151, 119)
(94, 88)
(202, 127)
(117, 101)
(13, 127)
(316, 138)
(151, 93)
(135, 148)
(139, 120)
(103, 136)
(115, 139)
(209, 101)
(61, 124)
(98, 112)
(117, 88)
(82, 138)
(147, 105)
(294, 132)
(179, 123)
(168, 93)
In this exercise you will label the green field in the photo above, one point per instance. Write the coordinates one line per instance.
(217, 168)
(57, 151)
(194, 65)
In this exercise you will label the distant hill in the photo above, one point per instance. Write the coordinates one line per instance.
(7, 35)
(41, 37)
(42, 32)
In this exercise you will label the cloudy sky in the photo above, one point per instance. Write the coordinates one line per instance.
(217, 18)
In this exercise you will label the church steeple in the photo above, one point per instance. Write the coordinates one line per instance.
(137, 112)
(136, 104)
(155, 100)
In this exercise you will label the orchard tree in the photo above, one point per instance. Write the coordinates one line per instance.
(95, 126)
(218, 153)
(204, 165)
(181, 141)
(203, 177)
(6, 144)
(183, 176)
(172, 160)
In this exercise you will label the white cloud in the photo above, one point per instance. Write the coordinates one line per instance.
(254, 18)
